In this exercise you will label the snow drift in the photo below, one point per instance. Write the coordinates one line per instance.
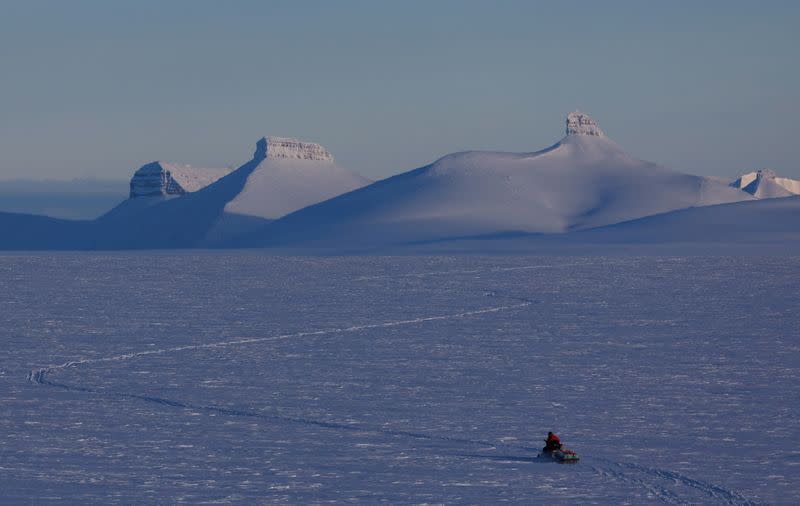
(583, 181)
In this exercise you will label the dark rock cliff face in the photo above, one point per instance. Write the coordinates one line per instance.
(285, 147)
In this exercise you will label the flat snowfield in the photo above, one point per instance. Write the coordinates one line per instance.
(216, 378)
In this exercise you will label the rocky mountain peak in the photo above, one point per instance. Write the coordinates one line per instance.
(285, 147)
(581, 124)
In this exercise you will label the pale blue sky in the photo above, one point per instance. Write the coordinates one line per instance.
(98, 88)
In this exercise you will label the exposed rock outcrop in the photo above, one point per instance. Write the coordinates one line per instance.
(286, 147)
(581, 124)
(161, 178)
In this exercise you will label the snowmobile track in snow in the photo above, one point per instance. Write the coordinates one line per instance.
(647, 478)
(39, 375)
(714, 492)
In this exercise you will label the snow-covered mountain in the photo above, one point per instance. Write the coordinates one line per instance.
(290, 175)
(283, 176)
(585, 180)
(292, 194)
(162, 178)
(765, 184)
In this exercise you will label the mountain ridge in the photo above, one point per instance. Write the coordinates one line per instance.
(582, 181)
(292, 195)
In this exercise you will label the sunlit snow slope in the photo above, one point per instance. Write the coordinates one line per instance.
(284, 175)
(291, 175)
(585, 180)
(771, 221)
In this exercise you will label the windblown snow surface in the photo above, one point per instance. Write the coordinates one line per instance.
(242, 378)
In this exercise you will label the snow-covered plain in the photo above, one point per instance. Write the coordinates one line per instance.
(241, 378)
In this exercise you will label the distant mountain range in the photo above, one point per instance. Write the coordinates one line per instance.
(292, 196)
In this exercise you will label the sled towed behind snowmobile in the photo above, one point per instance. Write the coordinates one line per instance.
(562, 456)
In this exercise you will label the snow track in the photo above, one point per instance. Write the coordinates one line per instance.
(657, 492)
(420, 275)
(716, 492)
(40, 375)
(649, 479)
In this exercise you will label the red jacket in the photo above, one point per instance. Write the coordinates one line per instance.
(552, 440)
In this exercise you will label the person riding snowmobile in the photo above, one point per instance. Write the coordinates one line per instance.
(552, 443)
